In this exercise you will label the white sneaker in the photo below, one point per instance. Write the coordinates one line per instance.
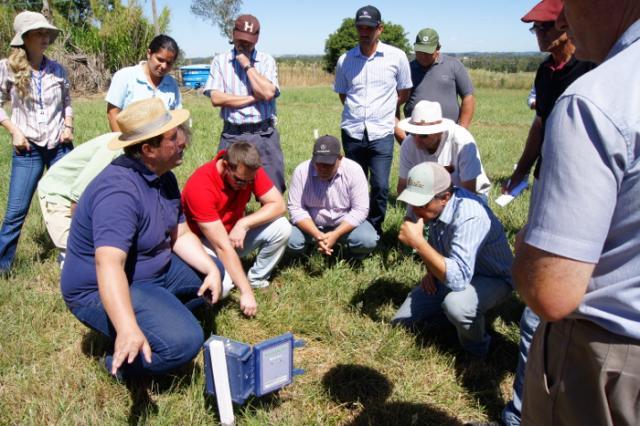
(260, 284)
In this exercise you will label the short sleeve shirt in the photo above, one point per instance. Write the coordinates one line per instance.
(585, 205)
(130, 84)
(207, 197)
(444, 82)
(127, 207)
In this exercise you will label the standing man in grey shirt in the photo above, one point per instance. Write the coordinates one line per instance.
(439, 78)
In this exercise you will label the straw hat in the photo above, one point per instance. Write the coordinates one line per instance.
(27, 21)
(426, 119)
(142, 120)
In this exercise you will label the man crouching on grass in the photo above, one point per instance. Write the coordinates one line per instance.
(467, 256)
(133, 270)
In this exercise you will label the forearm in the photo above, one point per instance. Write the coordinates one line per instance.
(267, 213)
(113, 288)
(229, 258)
(221, 99)
(343, 229)
(309, 227)
(263, 89)
(112, 113)
(467, 108)
(189, 248)
(531, 150)
(433, 260)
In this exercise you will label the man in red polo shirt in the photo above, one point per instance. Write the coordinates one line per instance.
(214, 200)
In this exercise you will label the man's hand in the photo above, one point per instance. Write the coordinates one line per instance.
(211, 287)
(412, 233)
(127, 346)
(248, 304)
(243, 58)
(237, 235)
(325, 246)
(428, 283)
(67, 135)
(515, 179)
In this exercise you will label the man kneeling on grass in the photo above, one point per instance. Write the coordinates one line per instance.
(133, 270)
(329, 203)
(467, 256)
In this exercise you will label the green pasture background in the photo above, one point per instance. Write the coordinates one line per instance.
(359, 370)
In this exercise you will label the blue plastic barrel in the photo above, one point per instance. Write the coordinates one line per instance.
(195, 76)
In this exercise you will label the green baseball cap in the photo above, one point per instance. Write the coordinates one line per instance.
(427, 41)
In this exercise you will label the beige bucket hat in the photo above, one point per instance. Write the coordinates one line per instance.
(28, 21)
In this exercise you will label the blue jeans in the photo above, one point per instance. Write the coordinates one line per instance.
(464, 309)
(375, 157)
(528, 324)
(163, 312)
(26, 170)
(360, 241)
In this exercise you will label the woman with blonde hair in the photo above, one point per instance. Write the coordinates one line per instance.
(41, 123)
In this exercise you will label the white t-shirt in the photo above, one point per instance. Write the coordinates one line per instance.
(457, 149)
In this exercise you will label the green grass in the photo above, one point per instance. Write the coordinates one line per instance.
(358, 368)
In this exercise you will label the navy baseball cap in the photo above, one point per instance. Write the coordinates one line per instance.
(368, 16)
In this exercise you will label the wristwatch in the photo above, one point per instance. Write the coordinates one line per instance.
(246, 67)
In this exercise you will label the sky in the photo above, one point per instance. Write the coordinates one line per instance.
(290, 27)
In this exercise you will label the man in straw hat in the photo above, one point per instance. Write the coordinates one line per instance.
(134, 271)
(435, 138)
(467, 256)
(578, 258)
(329, 202)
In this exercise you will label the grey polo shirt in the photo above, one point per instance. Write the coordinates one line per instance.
(442, 82)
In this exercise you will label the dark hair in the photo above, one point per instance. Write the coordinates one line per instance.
(164, 42)
(440, 195)
(135, 151)
(242, 152)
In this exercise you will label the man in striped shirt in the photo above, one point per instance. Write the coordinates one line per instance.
(467, 256)
(243, 82)
(329, 202)
(372, 79)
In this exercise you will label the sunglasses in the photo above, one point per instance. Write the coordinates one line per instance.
(240, 181)
(543, 27)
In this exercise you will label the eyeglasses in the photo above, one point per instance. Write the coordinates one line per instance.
(542, 27)
(240, 181)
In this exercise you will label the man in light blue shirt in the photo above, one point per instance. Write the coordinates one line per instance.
(467, 256)
(243, 82)
(578, 261)
(372, 79)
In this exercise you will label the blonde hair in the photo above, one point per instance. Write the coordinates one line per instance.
(19, 64)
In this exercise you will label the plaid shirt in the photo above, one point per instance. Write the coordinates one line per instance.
(55, 98)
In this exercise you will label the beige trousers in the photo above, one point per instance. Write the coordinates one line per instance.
(57, 218)
(581, 374)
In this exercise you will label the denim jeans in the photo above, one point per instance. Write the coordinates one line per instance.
(163, 312)
(375, 157)
(26, 170)
(361, 241)
(512, 413)
(464, 309)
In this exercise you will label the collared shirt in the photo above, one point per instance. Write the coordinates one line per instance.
(586, 204)
(130, 84)
(50, 90)
(227, 76)
(127, 207)
(472, 241)
(457, 149)
(207, 197)
(443, 82)
(343, 198)
(67, 179)
(371, 87)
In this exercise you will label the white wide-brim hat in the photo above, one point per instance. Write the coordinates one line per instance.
(426, 119)
(28, 21)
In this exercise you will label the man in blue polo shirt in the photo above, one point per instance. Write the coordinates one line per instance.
(133, 269)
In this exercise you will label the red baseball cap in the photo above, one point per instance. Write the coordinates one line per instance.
(545, 11)
(247, 28)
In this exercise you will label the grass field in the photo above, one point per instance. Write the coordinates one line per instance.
(359, 370)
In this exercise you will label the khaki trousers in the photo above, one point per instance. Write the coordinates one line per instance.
(581, 374)
(57, 218)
